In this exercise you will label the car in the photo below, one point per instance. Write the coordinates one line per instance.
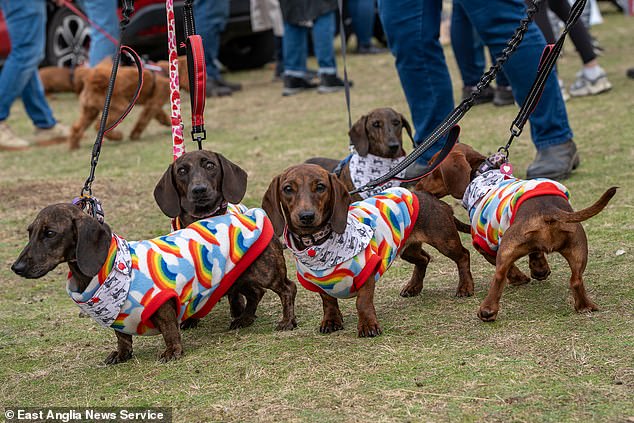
(68, 35)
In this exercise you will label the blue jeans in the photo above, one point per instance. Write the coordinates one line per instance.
(412, 29)
(211, 17)
(104, 14)
(468, 50)
(26, 22)
(295, 43)
(362, 16)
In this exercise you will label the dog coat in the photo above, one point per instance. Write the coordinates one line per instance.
(492, 200)
(376, 229)
(195, 266)
(364, 169)
(231, 208)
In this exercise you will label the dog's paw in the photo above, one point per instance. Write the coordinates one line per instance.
(190, 324)
(135, 135)
(586, 307)
(518, 279)
(114, 135)
(172, 353)
(540, 275)
(330, 325)
(286, 325)
(242, 322)
(368, 329)
(116, 358)
(411, 290)
(487, 314)
(464, 291)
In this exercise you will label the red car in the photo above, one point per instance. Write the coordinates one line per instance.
(68, 35)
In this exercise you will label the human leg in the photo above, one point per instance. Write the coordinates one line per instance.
(104, 14)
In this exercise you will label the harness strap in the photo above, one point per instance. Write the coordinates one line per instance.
(546, 64)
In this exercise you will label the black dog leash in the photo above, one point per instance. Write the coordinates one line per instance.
(458, 113)
(86, 201)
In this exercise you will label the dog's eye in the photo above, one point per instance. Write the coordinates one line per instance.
(209, 165)
(287, 189)
(320, 187)
(376, 124)
(181, 171)
(49, 234)
(396, 122)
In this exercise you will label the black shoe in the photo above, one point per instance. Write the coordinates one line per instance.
(331, 83)
(486, 95)
(503, 96)
(370, 49)
(233, 86)
(555, 162)
(630, 73)
(216, 90)
(295, 84)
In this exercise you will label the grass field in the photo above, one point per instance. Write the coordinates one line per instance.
(436, 361)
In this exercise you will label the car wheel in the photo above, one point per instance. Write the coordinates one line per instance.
(68, 39)
(250, 52)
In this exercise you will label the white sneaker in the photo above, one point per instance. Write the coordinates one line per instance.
(58, 134)
(584, 86)
(9, 141)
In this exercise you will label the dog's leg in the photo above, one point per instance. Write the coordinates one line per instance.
(124, 349)
(415, 254)
(142, 122)
(515, 276)
(162, 117)
(576, 253)
(190, 323)
(236, 303)
(450, 246)
(368, 324)
(287, 293)
(253, 295)
(86, 117)
(333, 319)
(511, 249)
(539, 266)
(112, 135)
(166, 321)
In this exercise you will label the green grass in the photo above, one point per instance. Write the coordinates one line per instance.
(540, 361)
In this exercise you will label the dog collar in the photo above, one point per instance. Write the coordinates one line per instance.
(312, 239)
(495, 161)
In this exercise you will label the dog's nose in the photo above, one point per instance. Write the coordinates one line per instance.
(199, 190)
(307, 217)
(393, 146)
(19, 267)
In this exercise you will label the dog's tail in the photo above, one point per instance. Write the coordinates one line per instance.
(585, 214)
(462, 227)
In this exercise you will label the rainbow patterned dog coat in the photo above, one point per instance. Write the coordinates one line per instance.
(195, 266)
(377, 228)
(492, 200)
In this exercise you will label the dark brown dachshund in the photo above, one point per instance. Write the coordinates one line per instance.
(306, 200)
(541, 225)
(63, 233)
(379, 133)
(200, 184)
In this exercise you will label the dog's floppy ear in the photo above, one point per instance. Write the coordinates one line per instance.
(165, 194)
(234, 180)
(407, 127)
(93, 242)
(456, 173)
(340, 202)
(359, 136)
(272, 207)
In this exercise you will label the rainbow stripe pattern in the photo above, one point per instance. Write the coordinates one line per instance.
(195, 266)
(494, 213)
(391, 215)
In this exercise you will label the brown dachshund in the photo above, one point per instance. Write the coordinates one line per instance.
(540, 224)
(94, 83)
(63, 233)
(309, 203)
(379, 134)
(200, 184)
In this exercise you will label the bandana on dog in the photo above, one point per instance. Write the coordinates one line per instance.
(370, 167)
(195, 266)
(388, 218)
(492, 200)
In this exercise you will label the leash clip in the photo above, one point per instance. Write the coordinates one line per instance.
(90, 205)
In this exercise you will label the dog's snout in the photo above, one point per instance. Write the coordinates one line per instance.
(199, 189)
(19, 267)
(307, 217)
